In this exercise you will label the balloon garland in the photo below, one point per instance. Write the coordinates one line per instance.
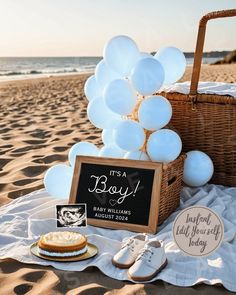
(122, 101)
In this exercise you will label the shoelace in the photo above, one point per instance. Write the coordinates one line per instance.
(128, 243)
(145, 253)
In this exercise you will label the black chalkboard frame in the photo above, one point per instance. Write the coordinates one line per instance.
(155, 195)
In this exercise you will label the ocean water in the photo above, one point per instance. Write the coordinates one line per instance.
(17, 68)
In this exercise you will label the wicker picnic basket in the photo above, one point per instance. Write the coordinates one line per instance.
(207, 122)
(171, 185)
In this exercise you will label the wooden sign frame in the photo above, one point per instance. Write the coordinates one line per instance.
(155, 195)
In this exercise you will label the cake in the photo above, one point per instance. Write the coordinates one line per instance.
(62, 244)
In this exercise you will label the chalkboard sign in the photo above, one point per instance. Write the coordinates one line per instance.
(119, 193)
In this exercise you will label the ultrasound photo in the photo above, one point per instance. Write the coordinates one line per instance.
(71, 215)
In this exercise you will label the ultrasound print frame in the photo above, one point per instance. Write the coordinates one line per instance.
(70, 224)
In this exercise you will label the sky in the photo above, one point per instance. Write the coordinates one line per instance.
(82, 27)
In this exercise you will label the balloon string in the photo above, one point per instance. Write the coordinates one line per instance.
(134, 117)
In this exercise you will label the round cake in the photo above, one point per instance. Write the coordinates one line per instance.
(62, 244)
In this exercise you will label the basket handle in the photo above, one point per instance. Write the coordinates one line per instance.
(199, 47)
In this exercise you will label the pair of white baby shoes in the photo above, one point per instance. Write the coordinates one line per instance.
(144, 258)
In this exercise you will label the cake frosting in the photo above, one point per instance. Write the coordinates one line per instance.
(64, 238)
(63, 254)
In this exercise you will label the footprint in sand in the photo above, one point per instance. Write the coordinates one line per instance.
(21, 192)
(6, 146)
(92, 137)
(61, 118)
(4, 162)
(4, 173)
(23, 149)
(55, 139)
(2, 186)
(5, 130)
(51, 158)
(2, 125)
(24, 181)
(35, 141)
(60, 148)
(4, 152)
(34, 276)
(6, 138)
(17, 125)
(76, 139)
(17, 154)
(40, 133)
(33, 171)
(22, 289)
(78, 125)
(64, 132)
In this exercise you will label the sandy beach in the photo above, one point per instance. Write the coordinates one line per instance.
(40, 120)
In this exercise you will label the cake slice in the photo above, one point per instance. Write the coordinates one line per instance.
(62, 244)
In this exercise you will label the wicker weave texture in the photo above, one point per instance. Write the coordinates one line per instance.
(171, 186)
(209, 127)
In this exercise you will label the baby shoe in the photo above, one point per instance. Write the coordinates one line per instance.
(129, 250)
(150, 261)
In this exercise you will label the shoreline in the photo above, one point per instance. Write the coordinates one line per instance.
(206, 69)
(43, 77)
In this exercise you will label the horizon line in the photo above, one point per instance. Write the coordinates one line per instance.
(99, 56)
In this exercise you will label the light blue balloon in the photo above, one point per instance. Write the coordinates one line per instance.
(198, 168)
(100, 115)
(104, 75)
(147, 76)
(120, 97)
(145, 55)
(82, 148)
(57, 181)
(108, 136)
(111, 151)
(137, 155)
(129, 135)
(154, 112)
(91, 88)
(121, 53)
(164, 145)
(173, 62)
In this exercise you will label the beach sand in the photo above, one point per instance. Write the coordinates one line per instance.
(40, 120)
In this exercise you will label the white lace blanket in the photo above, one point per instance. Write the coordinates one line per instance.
(24, 219)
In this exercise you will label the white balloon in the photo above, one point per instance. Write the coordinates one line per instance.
(147, 76)
(91, 88)
(129, 135)
(173, 62)
(111, 151)
(198, 168)
(154, 112)
(137, 155)
(108, 136)
(82, 148)
(100, 115)
(57, 181)
(121, 54)
(104, 75)
(120, 97)
(164, 146)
